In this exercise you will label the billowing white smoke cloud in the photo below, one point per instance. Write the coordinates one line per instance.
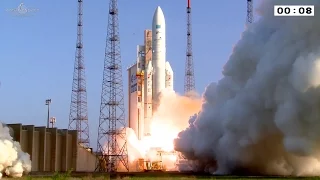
(13, 161)
(263, 116)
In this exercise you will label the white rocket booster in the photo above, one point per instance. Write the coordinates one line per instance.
(158, 54)
(169, 76)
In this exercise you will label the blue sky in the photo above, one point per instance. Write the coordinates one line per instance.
(37, 52)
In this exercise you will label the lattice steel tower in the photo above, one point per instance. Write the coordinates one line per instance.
(112, 142)
(249, 11)
(78, 118)
(189, 81)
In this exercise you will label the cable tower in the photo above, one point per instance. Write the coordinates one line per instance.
(189, 82)
(112, 142)
(249, 12)
(78, 118)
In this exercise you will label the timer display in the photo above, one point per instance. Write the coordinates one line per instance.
(294, 10)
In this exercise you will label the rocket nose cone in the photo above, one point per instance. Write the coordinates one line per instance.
(158, 11)
(158, 17)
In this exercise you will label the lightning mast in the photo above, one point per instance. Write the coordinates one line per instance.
(189, 81)
(112, 142)
(249, 11)
(78, 117)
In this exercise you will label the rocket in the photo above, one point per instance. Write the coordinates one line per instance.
(162, 74)
(157, 76)
(158, 55)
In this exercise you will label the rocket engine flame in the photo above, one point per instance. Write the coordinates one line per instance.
(263, 115)
(167, 122)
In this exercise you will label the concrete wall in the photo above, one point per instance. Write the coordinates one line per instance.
(53, 149)
(87, 161)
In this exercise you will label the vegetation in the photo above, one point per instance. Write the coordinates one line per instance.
(69, 176)
(66, 176)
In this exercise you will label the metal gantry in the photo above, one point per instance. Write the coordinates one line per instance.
(189, 80)
(78, 118)
(249, 11)
(112, 140)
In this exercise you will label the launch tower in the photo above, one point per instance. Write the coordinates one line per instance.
(112, 140)
(78, 118)
(189, 81)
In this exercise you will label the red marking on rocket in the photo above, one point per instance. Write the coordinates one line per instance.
(188, 3)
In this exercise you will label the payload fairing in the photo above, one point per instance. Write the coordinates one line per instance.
(149, 76)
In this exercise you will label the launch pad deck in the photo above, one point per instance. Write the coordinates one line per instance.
(164, 175)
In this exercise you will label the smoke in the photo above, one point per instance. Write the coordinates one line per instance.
(13, 161)
(172, 108)
(167, 122)
(263, 116)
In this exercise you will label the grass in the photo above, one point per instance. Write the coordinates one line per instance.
(161, 178)
(65, 177)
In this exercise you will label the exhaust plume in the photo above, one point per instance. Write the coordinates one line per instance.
(166, 123)
(263, 116)
(13, 161)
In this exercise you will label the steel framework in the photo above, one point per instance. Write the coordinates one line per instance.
(250, 11)
(112, 142)
(78, 117)
(189, 80)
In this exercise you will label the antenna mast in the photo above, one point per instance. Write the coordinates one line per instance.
(78, 117)
(189, 81)
(112, 139)
(249, 12)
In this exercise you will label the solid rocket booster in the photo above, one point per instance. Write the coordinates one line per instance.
(158, 54)
(169, 76)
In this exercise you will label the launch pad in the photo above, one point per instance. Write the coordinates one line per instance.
(154, 164)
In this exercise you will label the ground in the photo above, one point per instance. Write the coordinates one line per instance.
(145, 176)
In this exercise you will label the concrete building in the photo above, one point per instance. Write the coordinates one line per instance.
(53, 149)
